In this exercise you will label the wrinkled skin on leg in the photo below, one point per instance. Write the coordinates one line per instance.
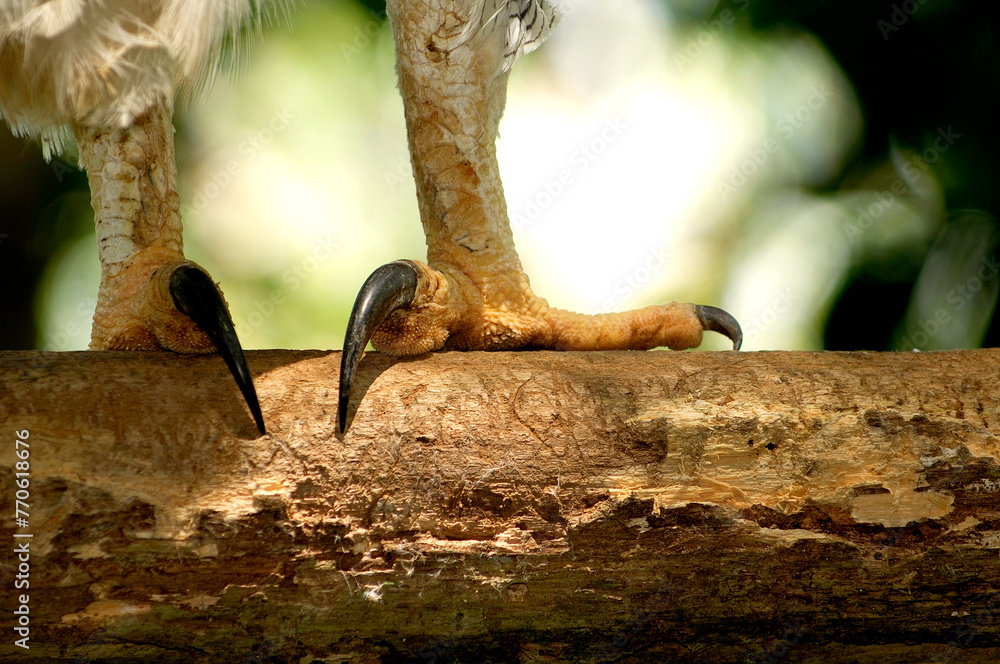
(472, 294)
(151, 297)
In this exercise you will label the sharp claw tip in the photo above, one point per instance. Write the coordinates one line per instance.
(721, 321)
(390, 287)
(197, 296)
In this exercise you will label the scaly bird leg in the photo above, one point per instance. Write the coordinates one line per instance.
(473, 294)
(151, 297)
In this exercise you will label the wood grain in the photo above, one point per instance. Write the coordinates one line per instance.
(557, 507)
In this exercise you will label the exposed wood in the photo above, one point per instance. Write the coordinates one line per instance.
(558, 507)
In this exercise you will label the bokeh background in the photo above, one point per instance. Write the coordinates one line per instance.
(826, 171)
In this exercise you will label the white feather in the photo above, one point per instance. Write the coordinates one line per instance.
(105, 62)
(522, 24)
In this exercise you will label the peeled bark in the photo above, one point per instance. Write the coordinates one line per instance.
(557, 507)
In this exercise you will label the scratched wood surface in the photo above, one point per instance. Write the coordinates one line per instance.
(556, 507)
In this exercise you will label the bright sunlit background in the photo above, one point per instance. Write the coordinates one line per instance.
(650, 151)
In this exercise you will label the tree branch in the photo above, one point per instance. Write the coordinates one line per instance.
(577, 507)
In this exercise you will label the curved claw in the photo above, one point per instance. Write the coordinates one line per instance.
(196, 296)
(390, 287)
(717, 320)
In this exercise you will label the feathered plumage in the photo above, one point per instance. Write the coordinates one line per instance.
(105, 62)
(525, 24)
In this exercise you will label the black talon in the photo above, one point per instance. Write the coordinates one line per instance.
(390, 287)
(717, 320)
(197, 297)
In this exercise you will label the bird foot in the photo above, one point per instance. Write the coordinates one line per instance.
(409, 308)
(177, 307)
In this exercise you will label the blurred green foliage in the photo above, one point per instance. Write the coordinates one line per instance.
(869, 222)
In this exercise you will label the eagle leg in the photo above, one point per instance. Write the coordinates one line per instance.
(151, 297)
(472, 293)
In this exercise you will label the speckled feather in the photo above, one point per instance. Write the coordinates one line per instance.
(526, 24)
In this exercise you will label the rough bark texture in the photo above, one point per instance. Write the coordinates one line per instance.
(556, 507)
